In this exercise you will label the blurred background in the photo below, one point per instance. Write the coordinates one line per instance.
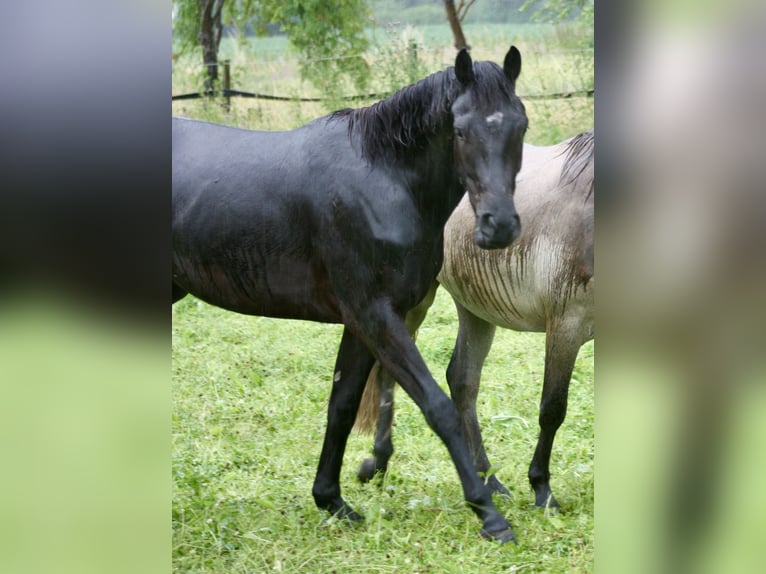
(680, 399)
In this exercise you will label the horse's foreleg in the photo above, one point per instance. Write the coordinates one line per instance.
(352, 366)
(473, 343)
(383, 447)
(560, 354)
(397, 353)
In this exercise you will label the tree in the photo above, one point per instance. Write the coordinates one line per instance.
(209, 37)
(328, 34)
(455, 15)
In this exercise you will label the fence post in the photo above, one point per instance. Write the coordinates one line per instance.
(226, 85)
(412, 60)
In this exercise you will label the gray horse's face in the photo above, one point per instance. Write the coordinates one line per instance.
(488, 142)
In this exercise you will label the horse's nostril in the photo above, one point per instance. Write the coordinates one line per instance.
(488, 221)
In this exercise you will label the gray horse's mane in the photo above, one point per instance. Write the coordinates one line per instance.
(577, 170)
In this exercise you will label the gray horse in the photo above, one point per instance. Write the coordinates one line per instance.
(543, 283)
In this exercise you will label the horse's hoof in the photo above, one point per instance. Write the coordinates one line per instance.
(548, 502)
(497, 487)
(504, 536)
(348, 515)
(367, 470)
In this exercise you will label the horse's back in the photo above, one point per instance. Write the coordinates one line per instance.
(207, 156)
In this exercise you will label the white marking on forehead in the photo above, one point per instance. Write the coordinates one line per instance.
(496, 118)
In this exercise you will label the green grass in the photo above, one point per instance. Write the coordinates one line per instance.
(250, 396)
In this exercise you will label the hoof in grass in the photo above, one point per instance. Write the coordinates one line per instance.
(348, 516)
(367, 470)
(497, 487)
(548, 503)
(503, 537)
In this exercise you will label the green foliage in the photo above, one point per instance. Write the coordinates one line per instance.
(328, 36)
(569, 15)
(560, 10)
(186, 20)
(426, 12)
(398, 60)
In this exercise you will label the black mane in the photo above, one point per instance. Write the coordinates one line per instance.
(393, 126)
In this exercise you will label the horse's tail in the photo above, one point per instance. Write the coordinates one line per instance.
(369, 408)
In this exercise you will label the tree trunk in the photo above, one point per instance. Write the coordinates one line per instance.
(454, 22)
(210, 30)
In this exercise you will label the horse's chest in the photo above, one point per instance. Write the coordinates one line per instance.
(516, 288)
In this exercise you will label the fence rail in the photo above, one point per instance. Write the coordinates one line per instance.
(227, 92)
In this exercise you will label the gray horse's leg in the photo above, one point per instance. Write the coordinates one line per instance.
(474, 340)
(560, 353)
(383, 447)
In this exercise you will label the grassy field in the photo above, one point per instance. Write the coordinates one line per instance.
(250, 399)
(250, 393)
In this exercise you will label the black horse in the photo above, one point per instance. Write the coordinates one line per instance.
(341, 221)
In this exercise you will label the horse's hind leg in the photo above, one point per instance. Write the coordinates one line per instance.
(383, 447)
(352, 366)
(560, 354)
(473, 343)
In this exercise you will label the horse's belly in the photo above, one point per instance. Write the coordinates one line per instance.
(501, 302)
(284, 288)
(517, 288)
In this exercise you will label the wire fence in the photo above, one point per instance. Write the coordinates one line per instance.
(226, 92)
(557, 89)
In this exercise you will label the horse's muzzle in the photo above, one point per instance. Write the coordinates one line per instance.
(496, 233)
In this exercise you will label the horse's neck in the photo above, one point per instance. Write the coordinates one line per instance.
(535, 156)
(540, 173)
(432, 179)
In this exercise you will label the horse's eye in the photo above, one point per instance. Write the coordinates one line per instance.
(459, 133)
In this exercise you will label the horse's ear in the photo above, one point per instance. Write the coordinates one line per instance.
(512, 64)
(464, 67)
